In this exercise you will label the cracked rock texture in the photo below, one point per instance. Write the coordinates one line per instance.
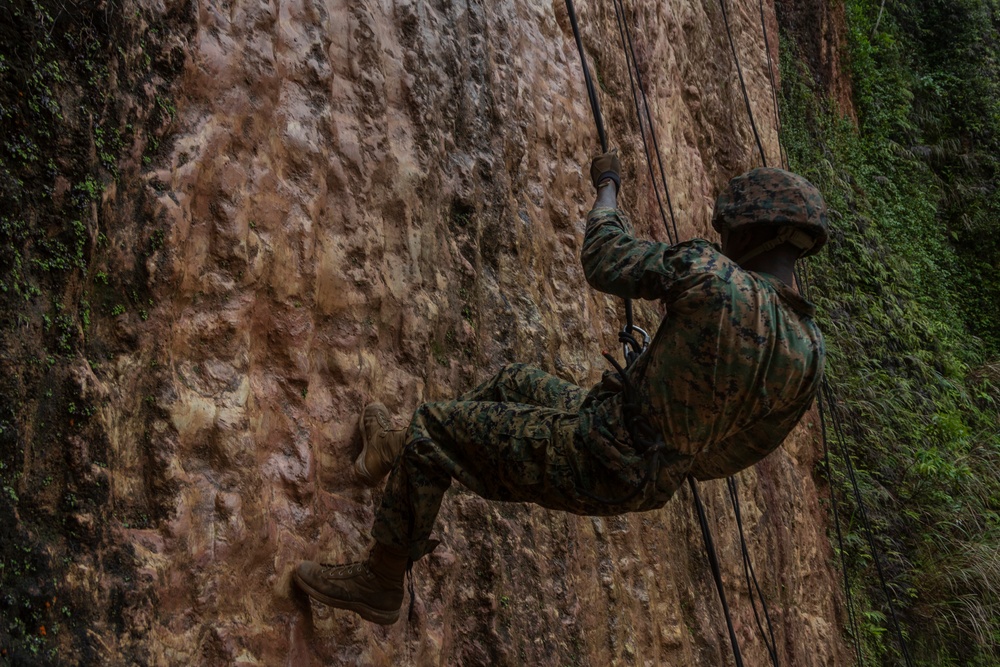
(384, 200)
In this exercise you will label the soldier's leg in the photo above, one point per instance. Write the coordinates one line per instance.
(520, 383)
(503, 451)
(500, 451)
(514, 383)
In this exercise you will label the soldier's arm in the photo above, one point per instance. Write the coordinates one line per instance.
(616, 262)
(607, 195)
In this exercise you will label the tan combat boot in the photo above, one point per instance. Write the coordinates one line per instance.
(380, 445)
(372, 589)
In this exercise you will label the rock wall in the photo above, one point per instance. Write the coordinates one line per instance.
(384, 200)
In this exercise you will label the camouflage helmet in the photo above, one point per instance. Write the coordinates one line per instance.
(769, 197)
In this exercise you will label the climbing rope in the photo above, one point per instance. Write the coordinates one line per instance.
(632, 64)
(595, 104)
(774, 90)
(713, 560)
(631, 347)
(865, 523)
(655, 451)
(841, 550)
(743, 85)
(751, 577)
(748, 571)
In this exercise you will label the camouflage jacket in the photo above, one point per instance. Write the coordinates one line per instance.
(737, 358)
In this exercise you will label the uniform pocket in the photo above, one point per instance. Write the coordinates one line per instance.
(525, 451)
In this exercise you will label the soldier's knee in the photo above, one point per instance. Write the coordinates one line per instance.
(415, 454)
(512, 371)
(427, 419)
(408, 449)
(420, 415)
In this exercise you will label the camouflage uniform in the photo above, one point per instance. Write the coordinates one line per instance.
(733, 366)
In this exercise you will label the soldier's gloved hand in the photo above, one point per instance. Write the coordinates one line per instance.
(607, 166)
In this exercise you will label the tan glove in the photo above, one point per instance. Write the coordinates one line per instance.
(607, 166)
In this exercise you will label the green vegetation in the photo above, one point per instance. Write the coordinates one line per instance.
(73, 103)
(909, 296)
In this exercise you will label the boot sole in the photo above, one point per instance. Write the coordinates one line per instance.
(379, 616)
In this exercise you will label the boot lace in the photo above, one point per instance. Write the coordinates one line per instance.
(347, 569)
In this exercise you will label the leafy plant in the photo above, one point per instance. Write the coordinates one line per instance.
(911, 314)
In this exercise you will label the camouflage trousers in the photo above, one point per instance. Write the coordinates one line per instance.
(522, 436)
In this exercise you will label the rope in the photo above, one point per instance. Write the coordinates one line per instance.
(595, 105)
(829, 405)
(748, 571)
(865, 523)
(743, 85)
(642, 132)
(713, 561)
(654, 462)
(841, 550)
(802, 279)
(751, 577)
(774, 90)
(627, 331)
(629, 48)
(655, 457)
(631, 61)
(595, 108)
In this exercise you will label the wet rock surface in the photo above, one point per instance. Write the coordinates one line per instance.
(377, 200)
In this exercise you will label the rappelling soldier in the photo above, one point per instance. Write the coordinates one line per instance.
(735, 363)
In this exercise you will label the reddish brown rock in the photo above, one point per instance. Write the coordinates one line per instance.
(385, 201)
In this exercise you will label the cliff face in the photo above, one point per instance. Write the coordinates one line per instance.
(375, 200)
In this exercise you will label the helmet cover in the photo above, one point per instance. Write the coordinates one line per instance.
(775, 198)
